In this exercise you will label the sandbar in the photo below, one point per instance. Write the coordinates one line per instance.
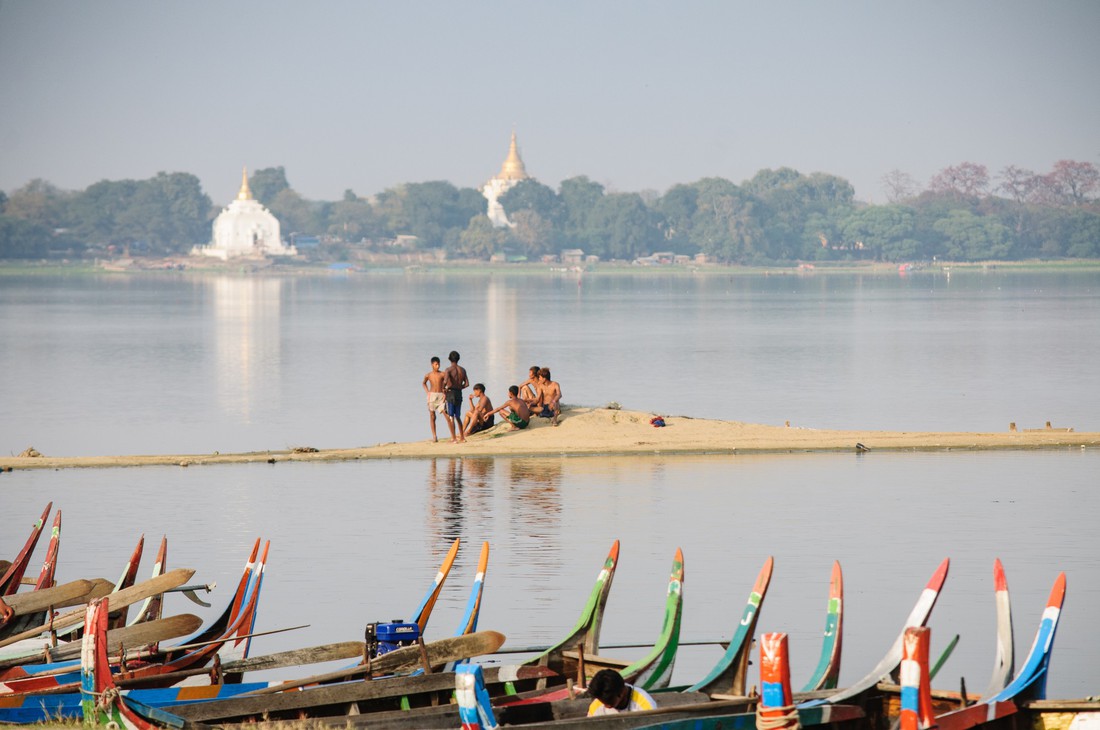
(612, 431)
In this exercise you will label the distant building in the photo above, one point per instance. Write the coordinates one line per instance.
(572, 256)
(245, 228)
(511, 173)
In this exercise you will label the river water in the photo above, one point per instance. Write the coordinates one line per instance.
(182, 364)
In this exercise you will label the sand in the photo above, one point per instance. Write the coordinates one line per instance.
(607, 431)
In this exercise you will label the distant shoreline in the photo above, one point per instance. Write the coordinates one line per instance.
(611, 432)
(188, 266)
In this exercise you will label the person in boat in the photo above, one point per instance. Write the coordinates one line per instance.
(479, 418)
(437, 399)
(456, 380)
(549, 397)
(519, 413)
(611, 695)
(529, 389)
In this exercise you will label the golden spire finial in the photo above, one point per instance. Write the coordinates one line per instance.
(244, 193)
(513, 169)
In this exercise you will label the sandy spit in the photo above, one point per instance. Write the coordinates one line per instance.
(605, 431)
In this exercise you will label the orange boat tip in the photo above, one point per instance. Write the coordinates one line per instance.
(937, 579)
(1058, 592)
(1000, 583)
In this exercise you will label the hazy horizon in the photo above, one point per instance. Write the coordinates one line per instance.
(637, 96)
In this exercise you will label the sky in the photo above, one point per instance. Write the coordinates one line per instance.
(638, 96)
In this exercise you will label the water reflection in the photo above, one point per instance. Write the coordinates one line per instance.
(247, 342)
(458, 490)
(536, 494)
(501, 335)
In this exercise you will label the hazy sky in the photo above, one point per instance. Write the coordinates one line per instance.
(636, 95)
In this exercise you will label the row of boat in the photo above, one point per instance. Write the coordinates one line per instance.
(92, 662)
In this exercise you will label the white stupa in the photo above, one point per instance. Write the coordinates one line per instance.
(511, 172)
(245, 228)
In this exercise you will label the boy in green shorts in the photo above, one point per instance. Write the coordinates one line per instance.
(519, 414)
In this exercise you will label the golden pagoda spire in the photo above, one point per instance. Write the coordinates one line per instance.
(513, 169)
(245, 193)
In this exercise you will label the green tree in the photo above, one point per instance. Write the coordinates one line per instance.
(97, 210)
(23, 239)
(352, 218)
(677, 208)
(481, 239)
(971, 238)
(531, 233)
(621, 226)
(532, 195)
(168, 213)
(579, 197)
(887, 231)
(1083, 234)
(295, 214)
(40, 202)
(267, 183)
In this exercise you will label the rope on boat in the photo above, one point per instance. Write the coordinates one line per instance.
(788, 720)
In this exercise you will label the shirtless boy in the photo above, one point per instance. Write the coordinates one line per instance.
(453, 384)
(519, 415)
(549, 397)
(437, 399)
(478, 419)
(529, 389)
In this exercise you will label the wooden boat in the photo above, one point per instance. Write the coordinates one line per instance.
(886, 667)
(13, 575)
(424, 611)
(827, 673)
(127, 579)
(585, 635)
(916, 707)
(102, 703)
(153, 606)
(140, 592)
(775, 707)
(356, 697)
(729, 675)
(13, 621)
(227, 638)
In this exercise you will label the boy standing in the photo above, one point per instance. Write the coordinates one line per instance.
(454, 383)
(478, 419)
(433, 388)
(519, 415)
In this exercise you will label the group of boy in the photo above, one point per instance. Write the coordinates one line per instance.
(539, 395)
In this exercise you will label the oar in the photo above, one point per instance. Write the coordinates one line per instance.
(125, 597)
(533, 649)
(236, 637)
(62, 596)
(143, 634)
(403, 659)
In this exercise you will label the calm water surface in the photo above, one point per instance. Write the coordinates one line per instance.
(118, 365)
(352, 542)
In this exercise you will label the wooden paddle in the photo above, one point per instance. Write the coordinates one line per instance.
(138, 635)
(67, 594)
(123, 598)
(291, 658)
(406, 658)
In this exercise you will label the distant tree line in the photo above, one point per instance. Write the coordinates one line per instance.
(963, 214)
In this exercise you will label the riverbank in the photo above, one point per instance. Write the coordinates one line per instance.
(608, 431)
(185, 265)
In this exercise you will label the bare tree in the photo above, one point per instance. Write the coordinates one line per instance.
(899, 185)
(967, 179)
